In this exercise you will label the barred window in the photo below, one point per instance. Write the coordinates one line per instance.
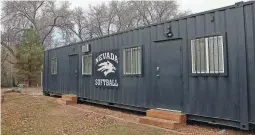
(54, 66)
(132, 61)
(207, 55)
(87, 64)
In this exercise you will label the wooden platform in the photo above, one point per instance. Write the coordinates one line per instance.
(164, 119)
(68, 99)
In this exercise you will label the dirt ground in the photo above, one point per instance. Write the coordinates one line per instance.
(31, 113)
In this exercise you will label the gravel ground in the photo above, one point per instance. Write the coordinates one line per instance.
(31, 113)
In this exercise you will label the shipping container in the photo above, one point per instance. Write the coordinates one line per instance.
(202, 65)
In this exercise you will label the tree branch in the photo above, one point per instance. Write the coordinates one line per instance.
(37, 9)
(78, 35)
(8, 48)
(54, 24)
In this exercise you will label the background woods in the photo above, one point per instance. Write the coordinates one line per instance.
(28, 27)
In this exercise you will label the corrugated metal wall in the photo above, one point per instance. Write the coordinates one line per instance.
(249, 15)
(219, 96)
(230, 97)
(132, 90)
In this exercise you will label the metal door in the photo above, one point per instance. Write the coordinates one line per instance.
(168, 75)
(73, 74)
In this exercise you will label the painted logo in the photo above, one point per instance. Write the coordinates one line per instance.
(106, 67)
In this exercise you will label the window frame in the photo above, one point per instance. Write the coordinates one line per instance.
(141, 59)
(225, 56)
(82, 72)
(55, 59)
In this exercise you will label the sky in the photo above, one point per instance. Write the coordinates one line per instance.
(194, 5)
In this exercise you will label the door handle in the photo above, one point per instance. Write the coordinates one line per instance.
(76, 72)
(157, 69)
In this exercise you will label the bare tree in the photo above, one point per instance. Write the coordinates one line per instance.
(81, 27)
(115, 16)
(17, 16)
(97, 21)
(61, 25)
(97, 16)
(111, 13)
(43, 16)
(155, 11)
(125, 17)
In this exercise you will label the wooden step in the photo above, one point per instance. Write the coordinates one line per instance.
(70, 98)
(161, 123)
(167, 115)
(65, 102)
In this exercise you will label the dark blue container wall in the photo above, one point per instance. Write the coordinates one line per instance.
(216, 97)
(45, 70)
(249, 12)
(132, 90)
(230, 97)
(57, 83)
(223, 97)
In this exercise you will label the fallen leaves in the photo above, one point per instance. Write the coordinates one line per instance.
(29, 114)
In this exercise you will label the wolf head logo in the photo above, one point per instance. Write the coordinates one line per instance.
(106, 67)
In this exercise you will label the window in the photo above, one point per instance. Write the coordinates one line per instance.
(54, 66)
(132, 61)
(207, 55)
(87, 64)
